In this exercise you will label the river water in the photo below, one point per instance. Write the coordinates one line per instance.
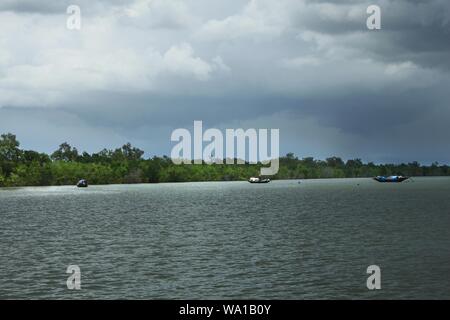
(309, 239)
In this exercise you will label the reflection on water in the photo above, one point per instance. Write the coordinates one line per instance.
(284, 239)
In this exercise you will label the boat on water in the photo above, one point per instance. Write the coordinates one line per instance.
(258, 180)
(390, 178)
(82, 183)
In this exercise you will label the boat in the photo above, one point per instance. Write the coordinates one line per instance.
(390, 178)
(82, 184)
(258, 180)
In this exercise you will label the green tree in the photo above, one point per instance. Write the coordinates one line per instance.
(10, 153)
(65, 153)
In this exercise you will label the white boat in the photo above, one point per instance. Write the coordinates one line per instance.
(258, 180)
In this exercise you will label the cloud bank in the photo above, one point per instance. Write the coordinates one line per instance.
(139, 69)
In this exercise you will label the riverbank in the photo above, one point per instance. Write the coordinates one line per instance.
(126, 165)
(298, 181)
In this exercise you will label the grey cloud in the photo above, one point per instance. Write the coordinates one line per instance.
(31, 6)
(411, 30)
(379, 95)
(56, 6)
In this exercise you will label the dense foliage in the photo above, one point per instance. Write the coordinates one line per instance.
(126, 165)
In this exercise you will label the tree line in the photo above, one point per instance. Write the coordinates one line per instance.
(127, 164)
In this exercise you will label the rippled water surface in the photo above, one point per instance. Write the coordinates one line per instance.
(286, 239)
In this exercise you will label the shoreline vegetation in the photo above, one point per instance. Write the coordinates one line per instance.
(126, 165)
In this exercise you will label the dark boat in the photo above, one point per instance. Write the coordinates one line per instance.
(258, 180)
(391, 178)
(82, 184)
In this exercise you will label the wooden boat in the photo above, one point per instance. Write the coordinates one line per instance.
(390, 178)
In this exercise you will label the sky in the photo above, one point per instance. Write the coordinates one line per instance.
(139, 69)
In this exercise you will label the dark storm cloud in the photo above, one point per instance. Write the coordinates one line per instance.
(363, 112)
(129, 111)
(415, 30)
(366, 113)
